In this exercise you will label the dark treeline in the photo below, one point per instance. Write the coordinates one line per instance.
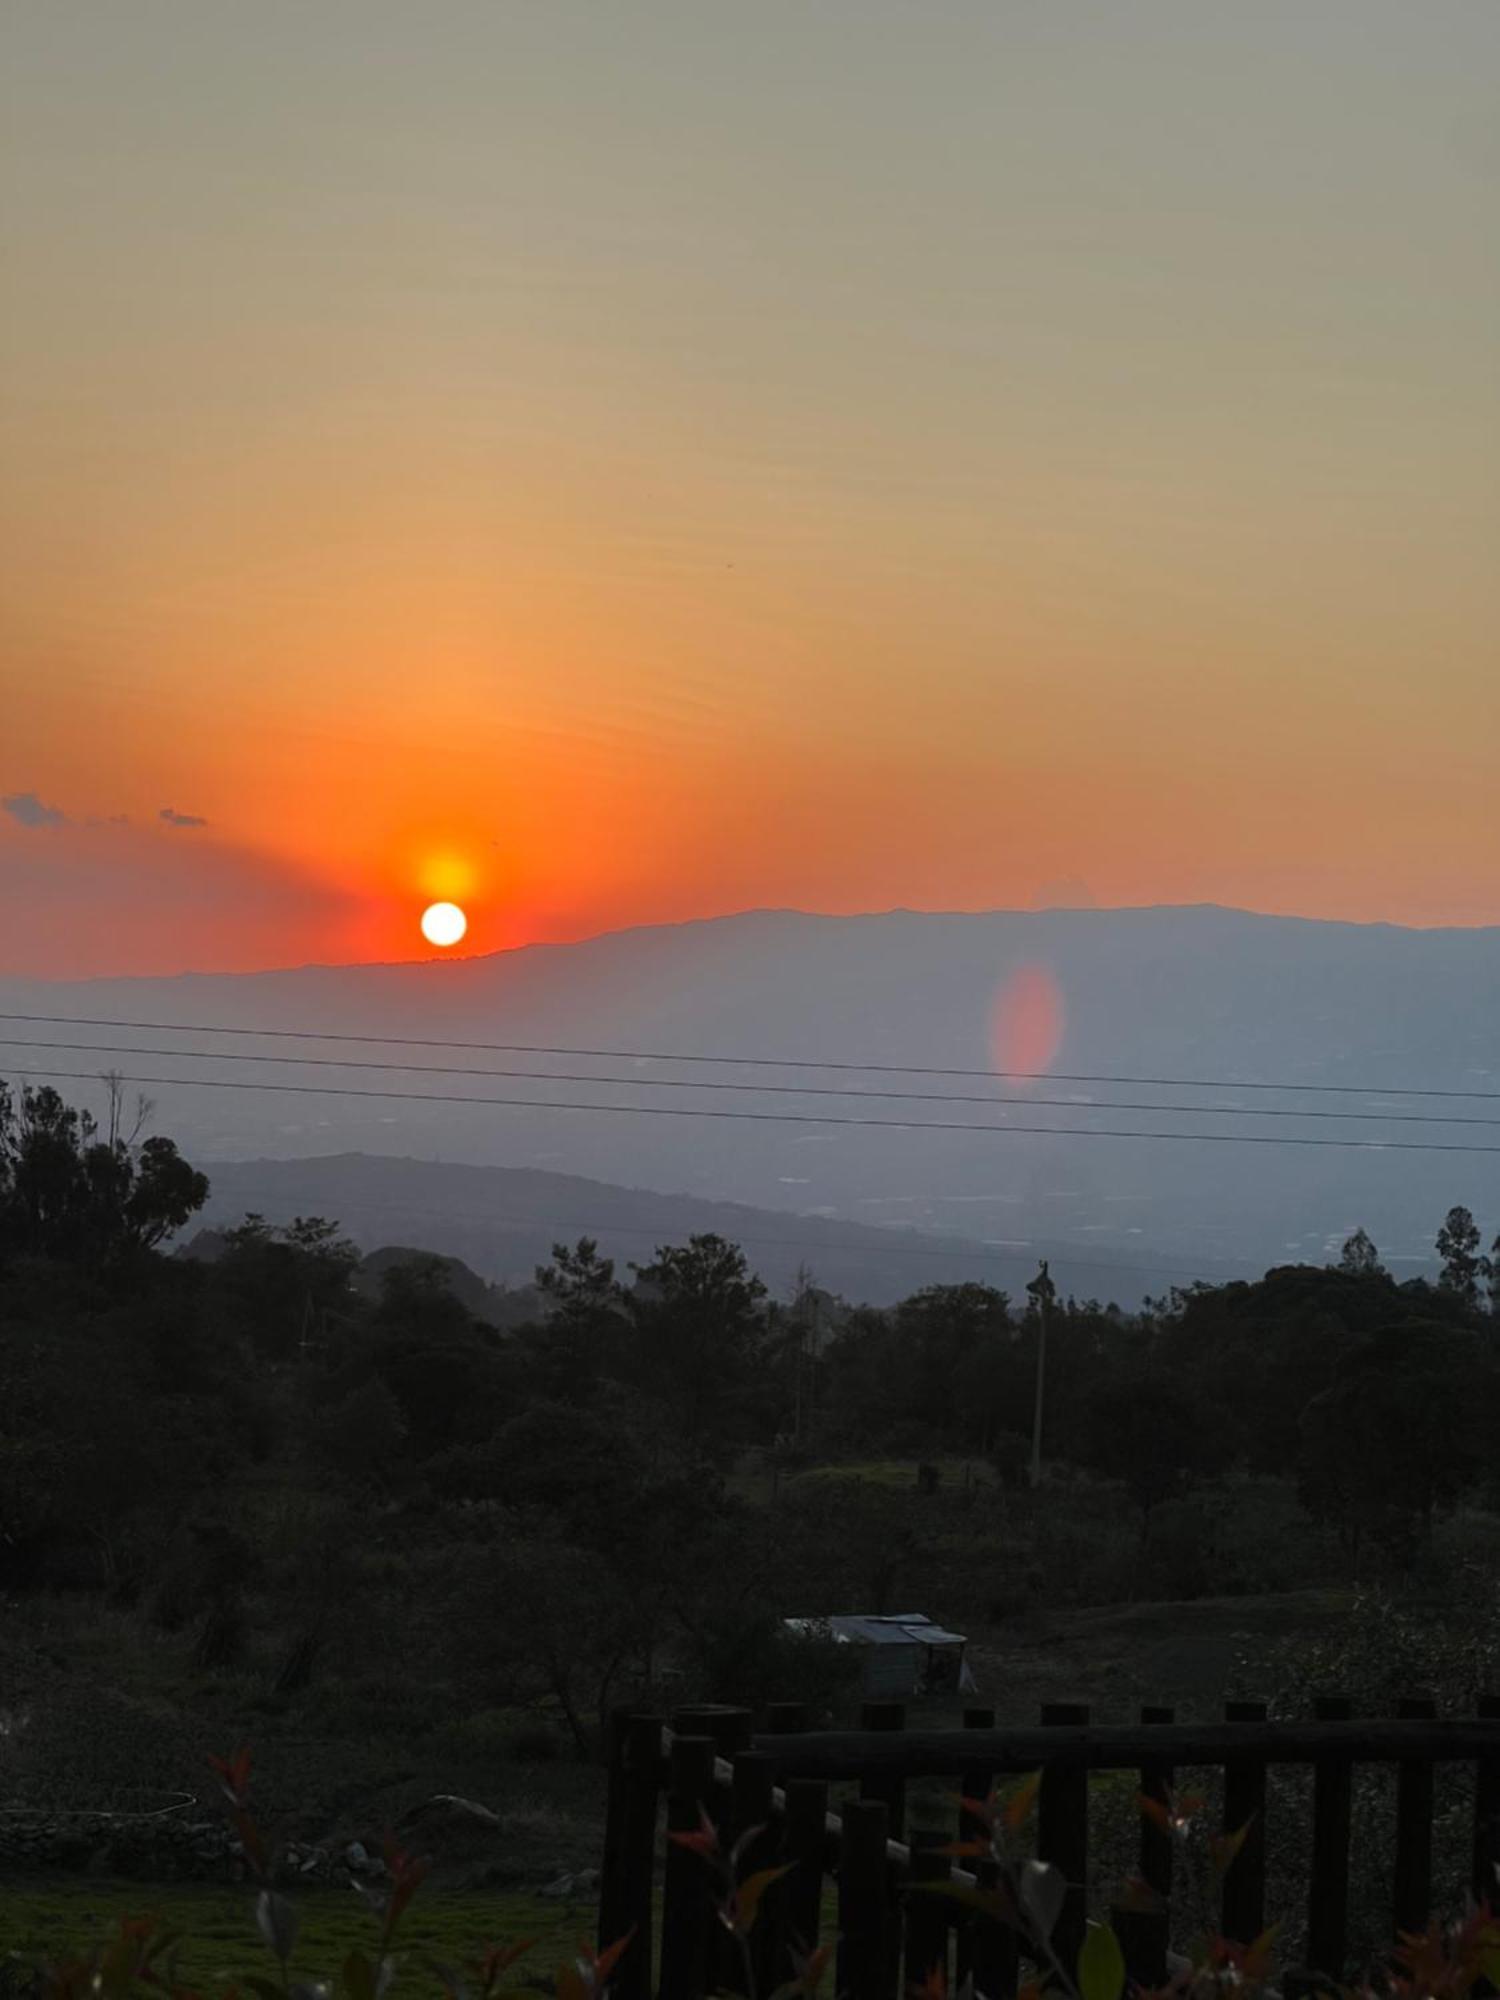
(317, 1490)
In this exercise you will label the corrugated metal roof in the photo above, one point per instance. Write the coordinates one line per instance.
(908, 1628)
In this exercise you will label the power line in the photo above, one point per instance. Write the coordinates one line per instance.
(756, 1089)
(776, 1117)
(748, 1062)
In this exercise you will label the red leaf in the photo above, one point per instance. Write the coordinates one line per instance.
(705, 1841)
(234, 1774)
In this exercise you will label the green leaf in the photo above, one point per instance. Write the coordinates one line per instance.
(276, 1919)
(1043, 1890)
(1101, 1964)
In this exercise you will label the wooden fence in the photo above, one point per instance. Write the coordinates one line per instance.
(777, 1782)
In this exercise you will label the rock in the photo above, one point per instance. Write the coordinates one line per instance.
(447, 1809)
(357, 1856)
(563, 1886)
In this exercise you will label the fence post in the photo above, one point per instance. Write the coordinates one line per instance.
(630, 1909)
(880, 1717)
(1244, 1891)
(612, 1866)
(1487, 1812)
(1156, 1844)
(688, 1883)
(730, 1730)
(973, 1785)
(1328, 1896)
(1412, 1900)
(926, 1917)
(863, 1902)
(754, 1814)
(1143, 1942)
(888, 1790)
(1062, 1831)
(806, 1847)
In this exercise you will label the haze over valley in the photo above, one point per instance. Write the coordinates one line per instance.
(1202, 995)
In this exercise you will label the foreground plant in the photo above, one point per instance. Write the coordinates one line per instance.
(144, 1956)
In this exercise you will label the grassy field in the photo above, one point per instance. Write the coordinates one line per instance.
(52, 1917)
(1191, 1656)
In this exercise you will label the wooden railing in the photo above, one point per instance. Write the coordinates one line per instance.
(774, 1784)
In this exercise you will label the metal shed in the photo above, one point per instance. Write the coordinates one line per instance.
(904, 1652)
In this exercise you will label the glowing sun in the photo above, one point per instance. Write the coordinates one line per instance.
(443, 923)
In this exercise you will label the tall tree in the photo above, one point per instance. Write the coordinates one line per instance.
(1463, 1264)
(582, 1336)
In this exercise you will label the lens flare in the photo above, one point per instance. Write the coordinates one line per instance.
(1026, 1027)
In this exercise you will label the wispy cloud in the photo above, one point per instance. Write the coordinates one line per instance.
(29, 810)
(186, 820)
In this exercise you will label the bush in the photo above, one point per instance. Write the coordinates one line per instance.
(535, 1743)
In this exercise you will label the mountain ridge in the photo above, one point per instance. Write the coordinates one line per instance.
(1200, 992)
(752, 913)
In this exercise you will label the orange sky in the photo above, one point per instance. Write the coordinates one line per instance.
(608, 467)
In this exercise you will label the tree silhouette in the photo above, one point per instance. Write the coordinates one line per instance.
(1463, 1265)
(1359, 1257)
(66, 1193)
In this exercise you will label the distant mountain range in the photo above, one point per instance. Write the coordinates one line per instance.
(1220, 996)
(502, 1222)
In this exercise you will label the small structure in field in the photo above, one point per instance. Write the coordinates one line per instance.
(903, 1652)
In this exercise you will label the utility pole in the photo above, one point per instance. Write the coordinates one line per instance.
(1044, 1292)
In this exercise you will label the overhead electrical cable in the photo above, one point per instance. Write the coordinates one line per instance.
(744, 1061)
(773, 1117)
(756, 1089)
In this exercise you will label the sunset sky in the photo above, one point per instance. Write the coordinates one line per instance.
(607, 463)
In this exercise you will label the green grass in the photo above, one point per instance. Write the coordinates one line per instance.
(43, 1917)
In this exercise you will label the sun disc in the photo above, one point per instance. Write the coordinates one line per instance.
(443, 923)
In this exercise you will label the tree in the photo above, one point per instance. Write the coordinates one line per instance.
(1359, 1257)
(550, 1619)
(285, 1279)
(1463, 1265)
(439, 1363)
(69, 1195)
(700, 1327)
(581, 1337)
(1148, 1432)
(1402, 1434)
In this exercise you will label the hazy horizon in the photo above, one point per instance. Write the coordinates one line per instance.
(461, 956)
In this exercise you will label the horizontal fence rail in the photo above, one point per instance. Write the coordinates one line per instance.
(925, 1753)
(768, 1790)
